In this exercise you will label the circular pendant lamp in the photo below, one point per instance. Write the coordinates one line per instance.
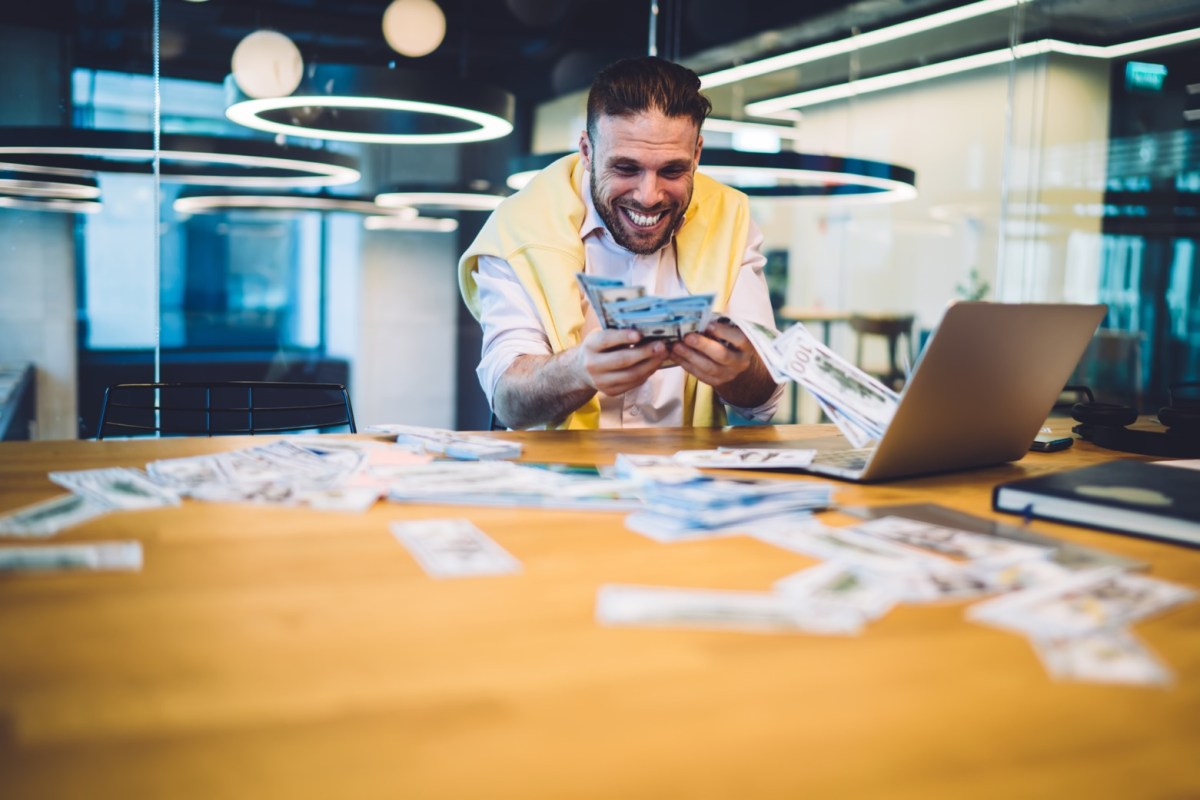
(379, 106)
(442, 198)
(24, 182)
(183, 158)
(780, 175)
(205, 202)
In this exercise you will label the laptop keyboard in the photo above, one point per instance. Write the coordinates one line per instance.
(845, 459)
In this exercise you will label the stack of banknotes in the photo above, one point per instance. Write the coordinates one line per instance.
(619, 305)
(453, 444)
(684, 509)
(859, 404)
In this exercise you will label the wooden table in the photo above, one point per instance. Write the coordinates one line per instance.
(266, 652)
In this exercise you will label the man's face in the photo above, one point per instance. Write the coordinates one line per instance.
(642, 168)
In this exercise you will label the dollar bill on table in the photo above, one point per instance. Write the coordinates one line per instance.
(452, 444)
(454, 548)
(1065, 554)
(50, 516)
(97, 556)
(839, 585)
(914, 575)
(953, 543)
(1103, 656)
(714, 504)
(717, 609)
(648, 468)
(117, 488)
(745, 458)
(186, 473)
(503, 483)
(1081, 603)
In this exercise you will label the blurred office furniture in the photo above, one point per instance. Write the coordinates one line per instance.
(807, 316)
(1111, 367)
(99, 369)
(18, 407)
(892, 328)
(223, 407)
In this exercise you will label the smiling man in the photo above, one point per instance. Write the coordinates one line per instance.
(630, 205)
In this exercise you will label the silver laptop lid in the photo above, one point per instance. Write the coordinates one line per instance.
(983, 386)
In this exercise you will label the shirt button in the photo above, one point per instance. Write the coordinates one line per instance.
(635, 411)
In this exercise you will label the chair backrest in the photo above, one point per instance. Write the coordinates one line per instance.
(891, 327)
(223, 407)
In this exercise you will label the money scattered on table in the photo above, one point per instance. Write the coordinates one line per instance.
(745, 458)
(657, 606)
(1076, 618)
(452, 444)
(96, 556)
(1104, 656)
(1081, 604)
(859, 404)
(653, 468)
(503, 483)
(322, 473)
(618, 305)
(840, 585)
(714, 507)
(952, 542)
(50, 516)
(117, 488)
(454, 548)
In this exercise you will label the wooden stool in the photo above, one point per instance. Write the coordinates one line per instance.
(892, 327)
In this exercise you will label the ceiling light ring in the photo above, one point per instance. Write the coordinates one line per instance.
(26, 182)
(430, 99)
(811, 175)
(201, 202)
(260, 163)
(441, 198)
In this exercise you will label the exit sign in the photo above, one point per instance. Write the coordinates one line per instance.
(1143, 77)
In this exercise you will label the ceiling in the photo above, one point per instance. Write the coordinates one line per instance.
(540, 49)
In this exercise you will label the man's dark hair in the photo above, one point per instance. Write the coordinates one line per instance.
(636, 85)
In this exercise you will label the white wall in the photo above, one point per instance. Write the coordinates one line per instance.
(37, 249)
(404, 329)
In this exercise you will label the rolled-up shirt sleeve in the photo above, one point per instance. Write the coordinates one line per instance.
(510, 323)
(750, 300)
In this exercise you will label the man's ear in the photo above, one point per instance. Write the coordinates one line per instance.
(699, 147)
(585, 151)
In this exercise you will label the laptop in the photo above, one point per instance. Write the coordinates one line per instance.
(981, 390)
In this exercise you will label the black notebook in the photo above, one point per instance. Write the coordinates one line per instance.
(1134, 497)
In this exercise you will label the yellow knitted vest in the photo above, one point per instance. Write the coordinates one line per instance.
(537, 232)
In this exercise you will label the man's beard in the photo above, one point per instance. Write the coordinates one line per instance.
(618, 225)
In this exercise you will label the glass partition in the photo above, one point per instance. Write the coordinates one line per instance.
(1054, 154)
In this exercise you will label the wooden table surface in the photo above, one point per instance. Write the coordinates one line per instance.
(268, 652)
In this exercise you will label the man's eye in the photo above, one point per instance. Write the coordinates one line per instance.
(626, 169)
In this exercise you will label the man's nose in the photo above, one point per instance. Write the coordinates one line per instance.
(649, 189)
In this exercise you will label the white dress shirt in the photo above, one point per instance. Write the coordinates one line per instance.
(512, 328)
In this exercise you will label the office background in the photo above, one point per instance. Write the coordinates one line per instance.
(1053, 144)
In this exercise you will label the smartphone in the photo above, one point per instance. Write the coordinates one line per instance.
(1049, 442)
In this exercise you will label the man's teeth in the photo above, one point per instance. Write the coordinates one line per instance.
(643, 220)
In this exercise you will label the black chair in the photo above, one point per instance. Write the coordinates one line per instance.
(223, 407)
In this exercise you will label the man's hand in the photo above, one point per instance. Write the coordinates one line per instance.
(723, 358)
(538, 390)
(615, 361)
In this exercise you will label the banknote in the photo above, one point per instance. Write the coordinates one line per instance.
(51, 516)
